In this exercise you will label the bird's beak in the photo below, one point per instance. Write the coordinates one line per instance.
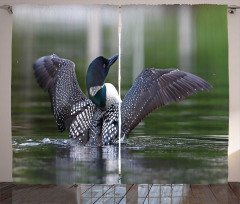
(112, 60)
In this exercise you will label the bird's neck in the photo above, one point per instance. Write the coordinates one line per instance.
(94, 77)
(95, 87)
(104, 96)
(98, 95)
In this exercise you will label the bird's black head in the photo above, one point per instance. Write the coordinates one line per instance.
(98, 70)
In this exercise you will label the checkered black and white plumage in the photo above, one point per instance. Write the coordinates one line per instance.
(71, 108)
(87, 123)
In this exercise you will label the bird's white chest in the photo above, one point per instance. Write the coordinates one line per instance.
(111, 95)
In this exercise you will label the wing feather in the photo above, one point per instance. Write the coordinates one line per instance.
(154, 88)
(69, 103)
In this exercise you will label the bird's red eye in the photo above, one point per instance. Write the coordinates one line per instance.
(104, 65)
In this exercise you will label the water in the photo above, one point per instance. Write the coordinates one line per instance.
(145, 159)
(180, 143)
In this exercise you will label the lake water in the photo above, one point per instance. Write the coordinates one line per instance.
(181, 143)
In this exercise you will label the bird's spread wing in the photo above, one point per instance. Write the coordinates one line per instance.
(154, 88)
(70, 105)
(79, 121)
(45, 70)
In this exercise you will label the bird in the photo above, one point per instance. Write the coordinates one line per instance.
(94, 121)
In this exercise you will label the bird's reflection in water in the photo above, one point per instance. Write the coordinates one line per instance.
(87, 164)
(144, 160)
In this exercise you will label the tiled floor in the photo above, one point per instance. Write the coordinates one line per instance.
(141, 193)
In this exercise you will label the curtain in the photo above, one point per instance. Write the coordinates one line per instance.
(183, 142)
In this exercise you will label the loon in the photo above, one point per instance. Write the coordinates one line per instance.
(94, 120)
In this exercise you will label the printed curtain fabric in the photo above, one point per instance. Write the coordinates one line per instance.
(180, 142)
